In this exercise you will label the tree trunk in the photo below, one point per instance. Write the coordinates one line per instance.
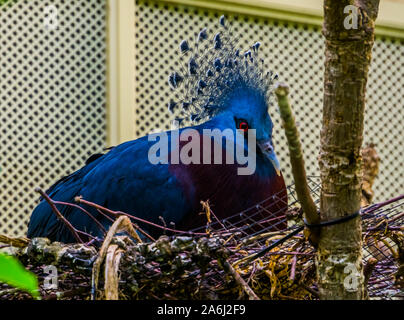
(349, 39)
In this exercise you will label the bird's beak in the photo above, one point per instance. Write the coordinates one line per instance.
(268, 150)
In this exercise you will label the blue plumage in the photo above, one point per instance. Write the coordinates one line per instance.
(220, 89)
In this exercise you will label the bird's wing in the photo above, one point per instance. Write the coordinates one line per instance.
(123, 179)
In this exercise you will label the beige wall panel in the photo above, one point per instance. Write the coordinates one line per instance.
(52, 98)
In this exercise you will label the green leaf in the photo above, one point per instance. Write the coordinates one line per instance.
(13, 273)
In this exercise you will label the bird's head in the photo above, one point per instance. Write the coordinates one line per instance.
(225, 87)
(248, 109)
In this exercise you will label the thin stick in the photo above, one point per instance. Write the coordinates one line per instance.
(85, 211)
(136, 226)
(261, 236)
(104, 215)
(382, 204)
(111, 277)
(266, 250)
(121, 213)
(296, 160)
(206, 206)
(122, 222)
(240, 281)
(72, 229)
(368, 269)
(310, 290)
(293, 268)
(14, 242)
(133, 224)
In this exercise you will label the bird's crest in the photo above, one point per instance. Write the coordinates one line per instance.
(209, 78)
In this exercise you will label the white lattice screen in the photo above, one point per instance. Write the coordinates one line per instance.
(295, 52)
(52, 98)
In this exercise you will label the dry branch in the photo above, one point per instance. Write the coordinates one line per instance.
(112, 261)
(371, 161)
(297, 161)
(73, 230)
(15, 242)
(251, 294)
(122, 224)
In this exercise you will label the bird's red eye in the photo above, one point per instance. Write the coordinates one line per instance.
(243, 126)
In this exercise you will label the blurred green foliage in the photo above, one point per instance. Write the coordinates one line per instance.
(13, 273)
(3, 2)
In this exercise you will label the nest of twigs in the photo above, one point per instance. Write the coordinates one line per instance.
(180, 267)
(226, 261)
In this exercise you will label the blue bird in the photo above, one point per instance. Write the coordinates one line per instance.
(221, 90)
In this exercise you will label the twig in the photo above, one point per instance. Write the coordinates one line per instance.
(164, 224)
(121, 224)
(264, 251)
(312, 291)
(260, 236)
(383, 204)
(112, 261)
(84, 210)
(254, 269)
(368, 269)
(136, 226)
(293, 268)
(240, 281)
(370, 162)
(121, 213)
(14, 242)
(296, 160)
(209, 211)
(72, 229)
